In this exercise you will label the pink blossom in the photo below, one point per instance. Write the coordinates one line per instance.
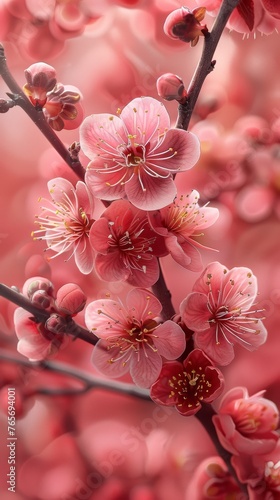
(66, 222)
(186, 385)
(219, 312)
(132, 337)
(247, 424)
(62, 108)
(181, 223)
(125, 245)
(135, 154)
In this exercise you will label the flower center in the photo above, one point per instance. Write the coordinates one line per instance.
(134, 155)
(190, 386)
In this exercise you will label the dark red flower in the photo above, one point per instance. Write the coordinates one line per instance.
(186, 385)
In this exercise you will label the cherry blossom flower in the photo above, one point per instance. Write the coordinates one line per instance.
(247, 424)
(125, 245)
(186, 385)
(180, 224)
(135, 154)
(184, 24)
(219, 312)
(66, 222)
(41, 79)
(132, 337)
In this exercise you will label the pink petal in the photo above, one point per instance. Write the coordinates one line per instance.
(147, 278)
(85, 198)
(184, 254)
(221, 354)
(110, 267)
(84, 256)
(239, 289)
(104, 185)
(170, 340)
(187, 147)
(58, 186)
(98, 235)
(252, 339)
(145, 367)
(101, 134)
(143, 304)
(105, 318)
(101, 360)
(36, 348)
(194, 311)
(156, 194)
(146, 119)
(216, 271)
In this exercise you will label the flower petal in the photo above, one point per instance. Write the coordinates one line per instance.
(101, 134)
(101, 359)
(150, 193)
(170, 340)
(145, 367)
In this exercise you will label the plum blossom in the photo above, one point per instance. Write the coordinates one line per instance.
(66, 222)
(186, 385)
(219, 311)
(181, 223)
(124, 243)
(132, 336)
(136, 154)
(247, 424)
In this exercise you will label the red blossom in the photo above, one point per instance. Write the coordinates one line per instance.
(184, 24)
(189, 384)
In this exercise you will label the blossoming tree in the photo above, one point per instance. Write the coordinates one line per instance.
(139, 321)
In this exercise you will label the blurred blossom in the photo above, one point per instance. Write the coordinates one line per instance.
(219, 311)
(136, 154)
(132, 337)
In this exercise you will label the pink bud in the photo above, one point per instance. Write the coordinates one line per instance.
(184, 24)
(41, 78)
(170, 87)
(40, 298)
(70, 299)
(56, 324)
(37, 283)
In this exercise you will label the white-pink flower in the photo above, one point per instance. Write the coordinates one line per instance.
(132, 337)
(66, 222)
(136, 154)
(219, 311)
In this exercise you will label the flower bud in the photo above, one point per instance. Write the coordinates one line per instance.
(184, 24)
(170, 87)
(56, 324)
(32, 285)
(70, 299)
(41, 78)
(41, 298)
(6, 105)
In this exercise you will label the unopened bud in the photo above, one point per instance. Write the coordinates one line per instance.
(56, 324)
(184, 24)
(70, 299)
(40, 298)
(32, 285)
(6, 105)
(170, 87)
(41, 78)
